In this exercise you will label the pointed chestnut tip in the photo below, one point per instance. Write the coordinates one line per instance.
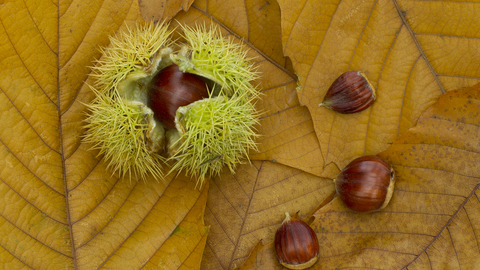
(351, 92)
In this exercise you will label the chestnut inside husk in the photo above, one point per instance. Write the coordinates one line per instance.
(191, 103)
(171, 89)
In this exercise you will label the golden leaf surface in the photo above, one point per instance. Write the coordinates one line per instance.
(153, 10)
(411, 51)
(286, 128)
(248, 206)
(60, 208)
(258, 22)
(244, 207)
(433, 219)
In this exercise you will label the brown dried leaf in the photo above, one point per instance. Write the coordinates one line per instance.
(256, 21)
(291, 142)
(154, 10)
(433, 220)
(409, 50)
(247, 207)
(60, 208)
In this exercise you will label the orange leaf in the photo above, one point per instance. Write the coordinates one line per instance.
(406, 50)
(250, 205)
(434, 216)
(258, 22)
(60, 207)
(162, 10)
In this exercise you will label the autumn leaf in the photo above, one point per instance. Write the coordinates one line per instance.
(60, 202)
(433, 219)
(406, 50)
(247, 207)
(152, 10)
(255, 21)
(324, 39)
(61, 209)
(439, 181)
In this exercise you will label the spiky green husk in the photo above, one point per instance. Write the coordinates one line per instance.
(117, 129)
(130, 51)
(219, 132)
(215, 132)
(219, 59)
(115, 126)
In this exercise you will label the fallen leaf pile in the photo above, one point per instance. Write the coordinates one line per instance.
(61, 209)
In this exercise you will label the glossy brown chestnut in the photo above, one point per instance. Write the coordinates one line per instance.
(171, 89)
(296, 244)
(366, 184)
(349, 93)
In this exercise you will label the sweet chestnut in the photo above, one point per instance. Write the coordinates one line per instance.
(366, 184)
(296, 244)
(170, 89)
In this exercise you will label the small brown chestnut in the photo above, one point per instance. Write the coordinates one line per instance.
(296, 244)
(366, 184)
(349, 93)
(170, 89)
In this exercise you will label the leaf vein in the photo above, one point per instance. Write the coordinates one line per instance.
(319, 47)
(28, 169)
(290, 200)
(257, 179)
(454, 249)
(404, 94)
(17, 258)
(473, 230)
(32, 237)
(223, 229)
(363, 249)
(277, 86)
(28, 122)
(29, 202)
(217, 259)
(443, 35)
(86, 176)
(83, 38)
(225, 197)
(111, 219)
(23, 63)
(186, 214)
(97, 205)
(240, 185)
(419, 47)
(278, 112)
(446, 224)
(36, 26)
